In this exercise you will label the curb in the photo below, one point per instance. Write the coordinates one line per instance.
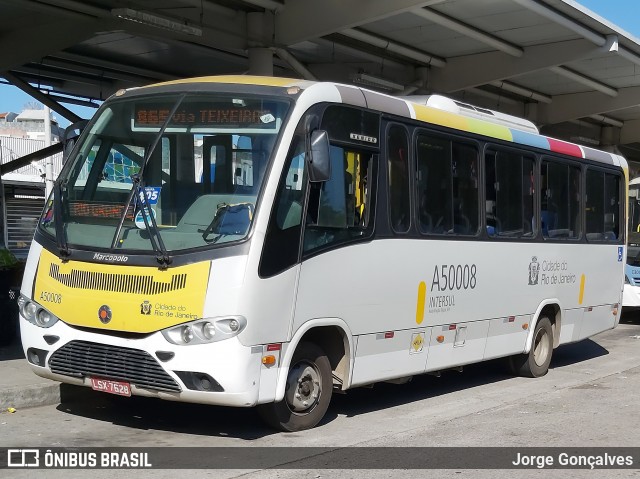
(44, 394)
(30, 396)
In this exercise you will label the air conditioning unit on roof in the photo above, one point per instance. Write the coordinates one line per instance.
(460, 108)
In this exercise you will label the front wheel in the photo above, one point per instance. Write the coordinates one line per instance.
(307, 392)
(536, 362)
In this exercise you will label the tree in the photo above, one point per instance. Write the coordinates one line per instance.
(33, 105)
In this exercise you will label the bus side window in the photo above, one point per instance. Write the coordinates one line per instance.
(559, 200)
(433, 157)
(338, 209)
(509, 188)
(447, 183)
(398, 170)
(603, 206)
(464, 174)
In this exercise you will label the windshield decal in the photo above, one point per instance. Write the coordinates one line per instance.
(139, 220)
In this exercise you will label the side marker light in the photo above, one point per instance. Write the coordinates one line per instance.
(268, 360)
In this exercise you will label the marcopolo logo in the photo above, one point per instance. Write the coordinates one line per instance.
(112, 258)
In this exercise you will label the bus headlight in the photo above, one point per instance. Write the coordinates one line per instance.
(186, 333)
(36, 314)
(44, 318)
(207, 330)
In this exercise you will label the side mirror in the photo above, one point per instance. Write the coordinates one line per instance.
(71, 134)
(318, 157)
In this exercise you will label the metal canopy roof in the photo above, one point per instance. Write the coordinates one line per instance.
(554, 62)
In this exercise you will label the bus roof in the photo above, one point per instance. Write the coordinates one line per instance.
(357, 96)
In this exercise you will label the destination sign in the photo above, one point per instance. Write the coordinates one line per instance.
(202, 115)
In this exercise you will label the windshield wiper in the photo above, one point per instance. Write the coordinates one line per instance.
(58, 221)
(138, 191)
(150, 223)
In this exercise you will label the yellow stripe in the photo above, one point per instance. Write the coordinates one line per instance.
(239, 79)
(489, 129)
(451, 120)
(582, 281)
(422, 296)
(439, 117)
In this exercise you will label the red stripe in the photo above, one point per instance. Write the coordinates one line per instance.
(564, 147)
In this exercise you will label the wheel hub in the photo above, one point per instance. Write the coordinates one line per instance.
(303, 387)
(541, 347)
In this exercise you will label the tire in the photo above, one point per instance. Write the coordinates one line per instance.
(536, 362)
(310, 376)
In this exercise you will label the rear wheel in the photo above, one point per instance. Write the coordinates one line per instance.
(535, 363)
(307, 392)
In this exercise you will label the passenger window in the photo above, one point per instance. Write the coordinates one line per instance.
(447, 186)
(398, 169)
(602, 206)
(509, 187)
(338, 209)
(560, 200)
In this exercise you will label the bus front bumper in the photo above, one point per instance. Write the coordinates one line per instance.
(223, 373)
(631, 296)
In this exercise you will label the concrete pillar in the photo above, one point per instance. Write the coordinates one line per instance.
(261, 61)
(260, 36)
(609, 135)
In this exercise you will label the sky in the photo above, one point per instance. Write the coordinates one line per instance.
(13, 99)
(624, 13)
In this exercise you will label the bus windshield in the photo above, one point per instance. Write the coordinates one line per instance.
(168, 172)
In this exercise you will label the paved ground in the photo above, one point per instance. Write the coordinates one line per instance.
(589, 398)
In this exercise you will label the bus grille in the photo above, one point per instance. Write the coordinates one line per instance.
(84, 358)
(119, 283)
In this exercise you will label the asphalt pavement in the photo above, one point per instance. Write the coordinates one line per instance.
(20, 388)
(588, 399)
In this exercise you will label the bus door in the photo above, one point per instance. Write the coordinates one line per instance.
(217, 163)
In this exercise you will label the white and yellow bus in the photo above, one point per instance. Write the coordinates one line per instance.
(248, 241)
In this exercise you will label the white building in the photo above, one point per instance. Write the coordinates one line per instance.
(32, 123)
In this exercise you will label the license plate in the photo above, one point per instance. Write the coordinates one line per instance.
(112, 387)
